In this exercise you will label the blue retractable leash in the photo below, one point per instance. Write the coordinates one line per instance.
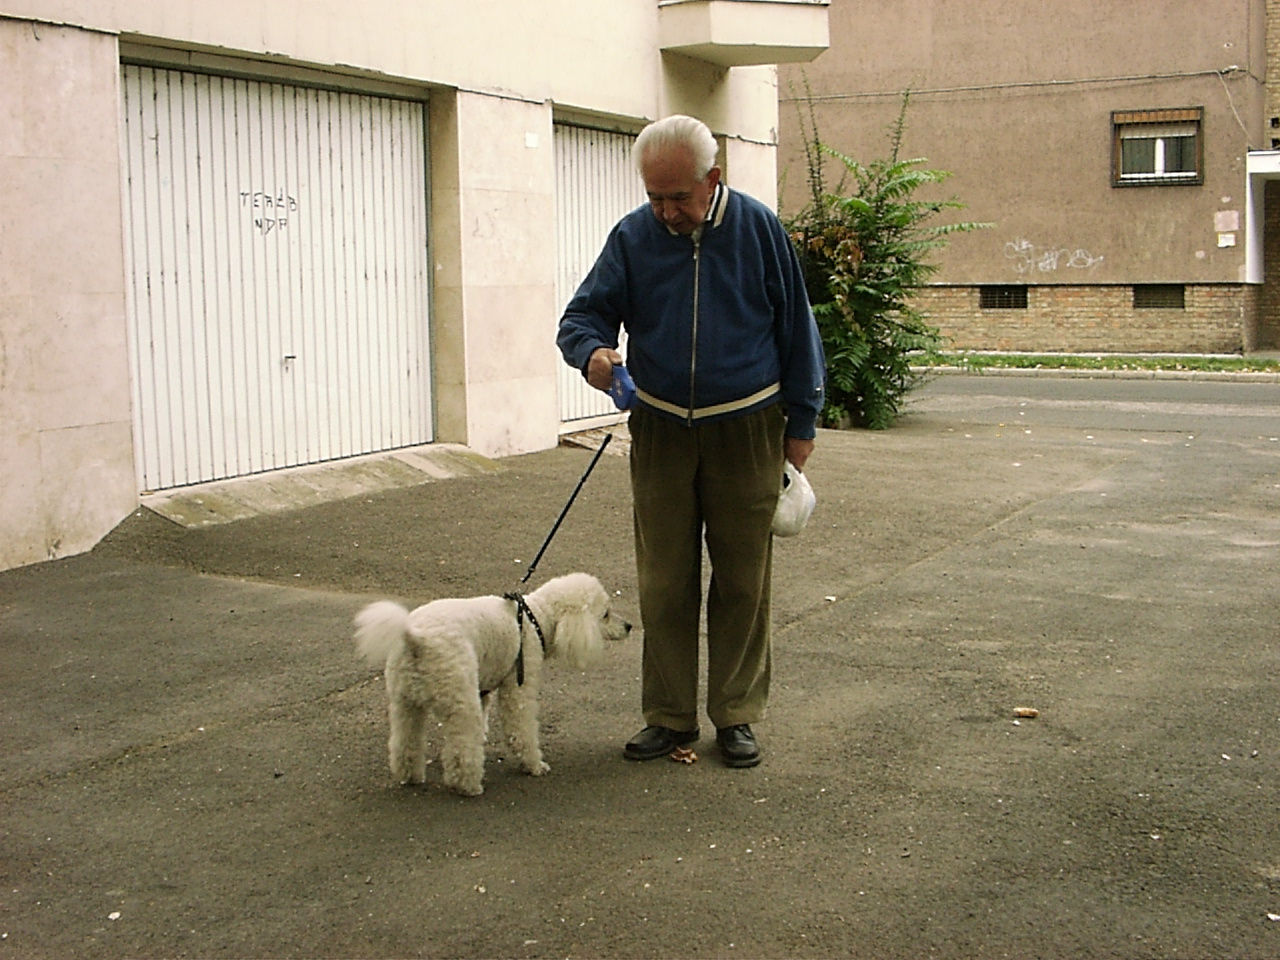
(623, 389)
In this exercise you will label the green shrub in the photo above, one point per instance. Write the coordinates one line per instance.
(863, 255)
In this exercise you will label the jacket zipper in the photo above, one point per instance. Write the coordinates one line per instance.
(693, 349)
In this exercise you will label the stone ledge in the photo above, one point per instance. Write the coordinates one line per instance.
(225, 501)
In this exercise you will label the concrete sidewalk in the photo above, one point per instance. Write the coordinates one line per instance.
(195, 760)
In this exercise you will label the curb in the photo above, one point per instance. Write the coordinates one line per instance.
(1067, 373)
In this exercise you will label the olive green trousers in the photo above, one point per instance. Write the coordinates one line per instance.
(720, 481)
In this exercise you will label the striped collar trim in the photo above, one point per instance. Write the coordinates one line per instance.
(719, 203)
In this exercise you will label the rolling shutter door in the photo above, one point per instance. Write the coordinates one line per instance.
(596, 185)
(278, 266)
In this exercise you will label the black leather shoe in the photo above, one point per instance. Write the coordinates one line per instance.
(738, 746)
(653, 742)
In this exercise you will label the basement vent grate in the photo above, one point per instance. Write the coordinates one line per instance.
(1004, 296)
(1159, 296)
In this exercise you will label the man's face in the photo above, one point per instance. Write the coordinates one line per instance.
(678, 198)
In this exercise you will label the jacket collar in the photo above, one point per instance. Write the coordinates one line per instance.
(715, 211)
(719, 203)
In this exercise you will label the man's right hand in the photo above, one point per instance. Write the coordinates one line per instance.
(600, 368)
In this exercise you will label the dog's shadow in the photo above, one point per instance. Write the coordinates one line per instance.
(582, 765)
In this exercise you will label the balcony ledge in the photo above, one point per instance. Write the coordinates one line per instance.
(740, 33)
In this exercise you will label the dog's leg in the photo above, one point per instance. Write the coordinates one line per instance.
(518, 714)
(462, 753)
(408, 747)
(486, 704)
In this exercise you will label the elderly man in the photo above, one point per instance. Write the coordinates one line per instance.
(728, 369)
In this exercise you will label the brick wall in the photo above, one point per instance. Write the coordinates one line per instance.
(1273, 71)
(1256, 335)
(1088, 319)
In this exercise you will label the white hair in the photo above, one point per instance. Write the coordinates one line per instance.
(677, 130)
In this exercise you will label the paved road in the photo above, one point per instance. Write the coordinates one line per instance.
(1226, 408)
(195, 761)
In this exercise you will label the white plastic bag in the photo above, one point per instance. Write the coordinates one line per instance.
(795, 503)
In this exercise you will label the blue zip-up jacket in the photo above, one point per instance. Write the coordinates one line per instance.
(718, 324)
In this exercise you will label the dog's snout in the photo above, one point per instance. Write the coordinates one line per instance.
(617, 628)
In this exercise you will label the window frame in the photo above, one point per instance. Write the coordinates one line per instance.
(1123, 120)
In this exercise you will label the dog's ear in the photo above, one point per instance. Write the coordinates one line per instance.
(578, 638)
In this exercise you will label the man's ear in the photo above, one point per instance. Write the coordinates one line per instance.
(713, 177)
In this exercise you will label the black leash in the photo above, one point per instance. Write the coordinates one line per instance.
(547, 542)
(522, 606)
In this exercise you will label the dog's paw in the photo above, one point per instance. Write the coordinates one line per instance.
(467, 789)
(408, 778)
(539, 769)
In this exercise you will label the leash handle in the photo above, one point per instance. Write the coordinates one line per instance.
(573, 496)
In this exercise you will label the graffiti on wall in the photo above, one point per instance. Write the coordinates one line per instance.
(268, 210)
(1029, 259)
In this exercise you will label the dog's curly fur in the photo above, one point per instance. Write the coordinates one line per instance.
(440, 657)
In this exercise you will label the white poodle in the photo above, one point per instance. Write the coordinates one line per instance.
(450, 658)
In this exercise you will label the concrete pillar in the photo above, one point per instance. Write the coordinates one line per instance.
(493, 249)
(66, 450)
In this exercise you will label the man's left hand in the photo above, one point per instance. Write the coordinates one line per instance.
(797, 451)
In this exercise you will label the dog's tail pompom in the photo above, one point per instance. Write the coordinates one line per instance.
(380, 629)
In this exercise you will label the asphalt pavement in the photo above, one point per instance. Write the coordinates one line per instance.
(1025, 704)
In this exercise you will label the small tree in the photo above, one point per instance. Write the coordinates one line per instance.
(863, 256)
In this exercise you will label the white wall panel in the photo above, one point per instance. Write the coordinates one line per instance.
(596, 185)
(279, 300)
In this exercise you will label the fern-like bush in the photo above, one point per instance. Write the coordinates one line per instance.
(863, 255)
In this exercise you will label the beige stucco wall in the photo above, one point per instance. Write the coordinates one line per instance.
(575, 54)
(568, 52)
(1015, 100)
(742, 105)
(66, 462)
(496, 79)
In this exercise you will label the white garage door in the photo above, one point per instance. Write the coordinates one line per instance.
(596, 185)
(279, 301)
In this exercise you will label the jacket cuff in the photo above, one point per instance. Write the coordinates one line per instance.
(801, 424)
(586, 358)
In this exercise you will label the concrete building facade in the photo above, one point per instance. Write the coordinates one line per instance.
(1123, 157)
(241, 237)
